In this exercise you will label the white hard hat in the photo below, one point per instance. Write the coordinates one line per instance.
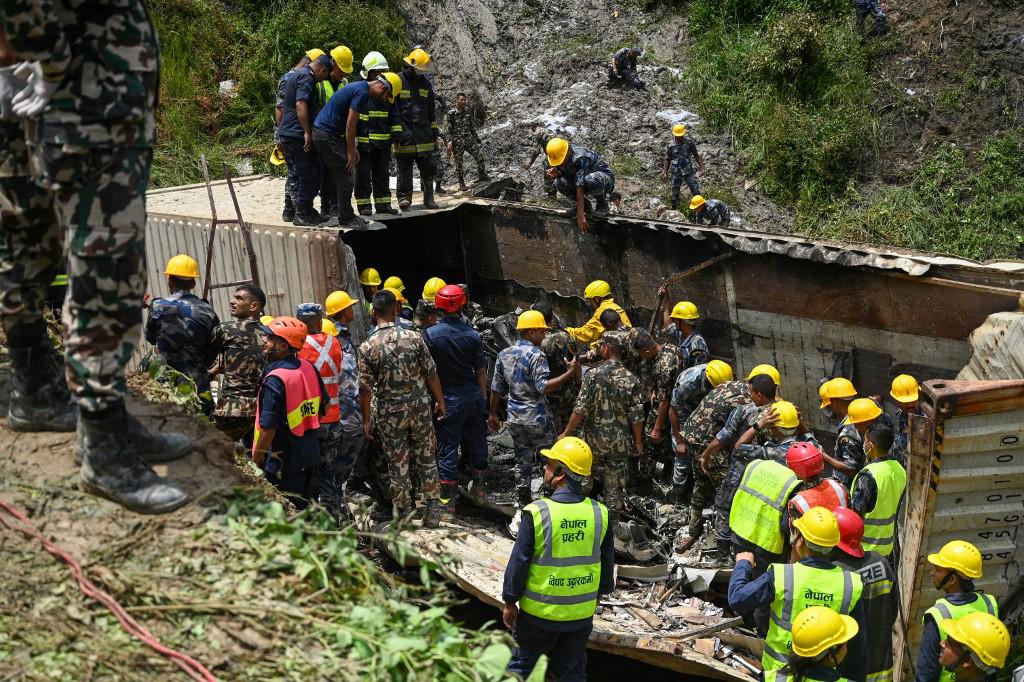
(374, 61)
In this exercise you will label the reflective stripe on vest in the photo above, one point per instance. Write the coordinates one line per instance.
(565, 572)
(779, 676)
(756, 512)
(326, 356)
(943, 609)
(829, 494)
(880, 523)
(798, 586)
(301, 399)
(880, 676)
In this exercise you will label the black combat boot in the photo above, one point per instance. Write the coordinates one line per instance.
(602, 206)
(404, 202)
(288, 214)
(366, 209)
(438, 189)
(307, 216)
(462, 183)
(39, 399)
(386, 209)
(428, 195)
(482, 174)
(152, 448)
(432, 516)
(111, 469)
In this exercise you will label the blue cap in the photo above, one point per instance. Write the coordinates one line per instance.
(304, 309)
(325, 60)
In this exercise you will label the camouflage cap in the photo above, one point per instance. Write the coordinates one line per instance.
(425, 307)
(304, 309)
(615, 340)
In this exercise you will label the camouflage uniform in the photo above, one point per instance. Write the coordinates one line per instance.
(700, 429)
(715, 213)
(740, 420)
(901, 436)
(521, 374)
(694, 347)
(667, 366)
(353, 440)
(849, 451)
(680, 156)
(394, 363)
(181, 327)
(690, 388)
(237, 347)
(463, 138)
(557, 347)
(610, 403)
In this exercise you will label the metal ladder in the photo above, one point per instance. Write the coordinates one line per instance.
(215, 222)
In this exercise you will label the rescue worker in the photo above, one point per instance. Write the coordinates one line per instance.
(324, 352)
(611, 409)
(681, 326)
(691, 387)
(335, 131)
(378, 129)
(369, 280)
(237, 346)
(431, 287)
(341, 309)
(181, 327)
(557, 347)
(599, 295)
(550, 608)
(473, 312)
(418, 139)
(710, 211)
(462, 138)
(539, 138)
(975, 647)
(788, 589)
(397, 371)
(679, 158)
(906, 394)
(880, 598)
(849, 456)
(277, 157)
(805, 460)
(667, 363)
(622, 67)
(820, 646)
(289, 403)
(522, 376)
(395, 283)
(578, 172)
(877, 491)
(426, 315)
(458, 353)
(954, 567)
(295, 138)
(341, 59)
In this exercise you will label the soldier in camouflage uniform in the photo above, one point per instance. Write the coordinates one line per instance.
(557, 347)
(612, 407)
(341, 310)
(94, 125)
(691, 386)
(462, 138)
(666, 365)
(473, 313)
(237, 347)
(396, 369)
(181, 326)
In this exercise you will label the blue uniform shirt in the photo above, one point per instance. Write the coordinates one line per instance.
(300, 86)
(583, 163)
(348, 383)
(458, 351)
(334, 116)
(302, 452)
(521, 374)
(694, 347)
(180, 327)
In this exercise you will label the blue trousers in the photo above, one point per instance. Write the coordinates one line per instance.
(566, 651)
(465, 426)
(303, 172)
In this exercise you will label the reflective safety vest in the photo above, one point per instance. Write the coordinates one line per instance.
(829, 494)
(944, 609)
(565, 572)
(378, 125)
(301, 399)
(757, 507)
(798, 586)
(324, 352)
(880, 523)
(776, 676)
(417, 110)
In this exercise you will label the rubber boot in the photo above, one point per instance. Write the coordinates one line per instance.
(432, 516)
(428, 195)
(39, 399)
(288, 214)
(449, 493)
(111, 469)
(307, 216)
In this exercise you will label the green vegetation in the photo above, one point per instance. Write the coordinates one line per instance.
(251, 43)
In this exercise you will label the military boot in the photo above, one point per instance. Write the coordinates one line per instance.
(432, 516)
(462, 183)
(482, 175)
(39, 400)
(152, 448)
(111, 469)
(366, 209)
(288, 214)
(428, 195)
(307, 216)
(602, 206)
(438, 189)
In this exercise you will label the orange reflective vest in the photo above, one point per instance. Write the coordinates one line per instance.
(324, 352)
(829, 494)
(301, 399)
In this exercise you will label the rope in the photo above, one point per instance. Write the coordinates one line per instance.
(191, 667)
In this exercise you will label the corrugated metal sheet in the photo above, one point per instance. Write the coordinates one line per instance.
(965, 481)
(997, 348)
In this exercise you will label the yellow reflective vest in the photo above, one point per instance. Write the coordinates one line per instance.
(880, 523)
(757, 507)
(945, 609)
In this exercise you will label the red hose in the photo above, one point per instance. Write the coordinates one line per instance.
(191, 667)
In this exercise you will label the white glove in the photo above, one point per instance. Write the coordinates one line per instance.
(31, 101)
(10, 85)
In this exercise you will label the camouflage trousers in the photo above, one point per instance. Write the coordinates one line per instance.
(459, 150)
(705, 485)
(611, 475)
(659, 453)
(407, 439)
(527, 440)
(726, 491)
(329, 487)
(99, 196)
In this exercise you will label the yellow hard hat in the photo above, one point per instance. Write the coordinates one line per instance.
(573, 453)
(823, 394)
(982, 633)
(531, 319)
(420, 60)
(840, 388)
(684, 310)
(398, 294)
(394, 83)
(430, 289)
(679, 130)
(276, 157)
(342, 56)
(182, 266)
(959, 556)
(819, 527)
(863, 410)
(597, 289)
(266, 319)
(817, 629)
(718, 372)
(338, 301)
(696, 202)
(789, 418)
(369, 278)
(394, 282)
(557, 149)
(768, 370)
(328, 327)
(315, 54)
(904, 389)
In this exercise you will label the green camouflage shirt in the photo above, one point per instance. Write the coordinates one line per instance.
(237, 347)
(610, 404)
(394, 363)
(707, 420)
(667, 366)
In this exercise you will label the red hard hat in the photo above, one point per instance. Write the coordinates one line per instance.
(290, 329)
(851, 530)
(805, 460)
(450, 298)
